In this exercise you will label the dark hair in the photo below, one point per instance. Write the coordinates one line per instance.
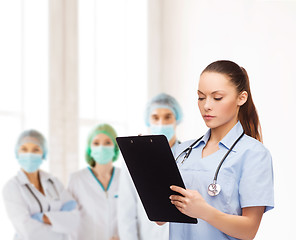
(238, 76)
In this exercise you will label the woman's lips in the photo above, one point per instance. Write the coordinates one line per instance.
(208, 117)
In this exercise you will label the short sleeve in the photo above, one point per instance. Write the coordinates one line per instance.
(256, 187)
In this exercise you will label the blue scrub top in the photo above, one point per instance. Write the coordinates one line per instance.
(246, 179)
(175, 146)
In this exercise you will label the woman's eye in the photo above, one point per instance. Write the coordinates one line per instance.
(218, 99)
(96, 143)
(201, 98)
(23, 149)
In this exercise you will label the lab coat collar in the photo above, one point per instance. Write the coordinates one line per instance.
(23, 179)
(98, 181)
(231, 136)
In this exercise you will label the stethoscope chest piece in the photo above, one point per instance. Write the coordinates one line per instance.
(214, 189)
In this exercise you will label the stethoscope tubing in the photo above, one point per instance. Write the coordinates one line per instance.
(34, 195)
(225, 156)
(189, 149)
(214, 188)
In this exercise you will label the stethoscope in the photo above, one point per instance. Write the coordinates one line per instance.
(38, 201)
(214, 188)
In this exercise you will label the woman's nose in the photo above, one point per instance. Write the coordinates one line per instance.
(208, 104)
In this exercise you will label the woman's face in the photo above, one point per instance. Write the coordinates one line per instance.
(30, 148)
(101, 140)
(218, 100)
(162, 116)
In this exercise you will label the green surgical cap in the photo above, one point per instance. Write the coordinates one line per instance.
(107, 130)
(163, 100)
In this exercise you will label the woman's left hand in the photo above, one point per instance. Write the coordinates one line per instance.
(191, 203)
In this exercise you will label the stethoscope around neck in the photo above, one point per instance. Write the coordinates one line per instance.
(214, 188)
(36, 198)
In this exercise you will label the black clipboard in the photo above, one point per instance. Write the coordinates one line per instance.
(153, 169)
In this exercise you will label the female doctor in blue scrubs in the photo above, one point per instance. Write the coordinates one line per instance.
(246, 175)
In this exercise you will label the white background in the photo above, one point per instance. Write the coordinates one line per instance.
(258, 35)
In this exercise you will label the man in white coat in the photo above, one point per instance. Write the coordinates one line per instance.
(162, 115)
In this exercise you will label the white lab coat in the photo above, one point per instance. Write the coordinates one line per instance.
(21, 205)
(98, 207)
(133, 222)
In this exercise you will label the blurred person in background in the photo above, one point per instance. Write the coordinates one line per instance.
(162, 115)
(95, 188)
(36, 202)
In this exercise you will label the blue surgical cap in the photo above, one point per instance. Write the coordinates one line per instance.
(32, 136)
(163, 100)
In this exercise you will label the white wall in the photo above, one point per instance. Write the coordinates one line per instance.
(112, 67)
(261, 37)
(23, 83)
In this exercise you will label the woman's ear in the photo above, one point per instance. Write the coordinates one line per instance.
(242, 98)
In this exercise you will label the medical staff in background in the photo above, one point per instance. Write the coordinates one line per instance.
(95, 188)
(36, 202)
(162, 115)
(228, 174)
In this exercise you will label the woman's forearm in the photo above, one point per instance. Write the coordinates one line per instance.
(192, 204)
(242, 227)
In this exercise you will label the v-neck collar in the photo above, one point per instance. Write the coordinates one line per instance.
(98, 181)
